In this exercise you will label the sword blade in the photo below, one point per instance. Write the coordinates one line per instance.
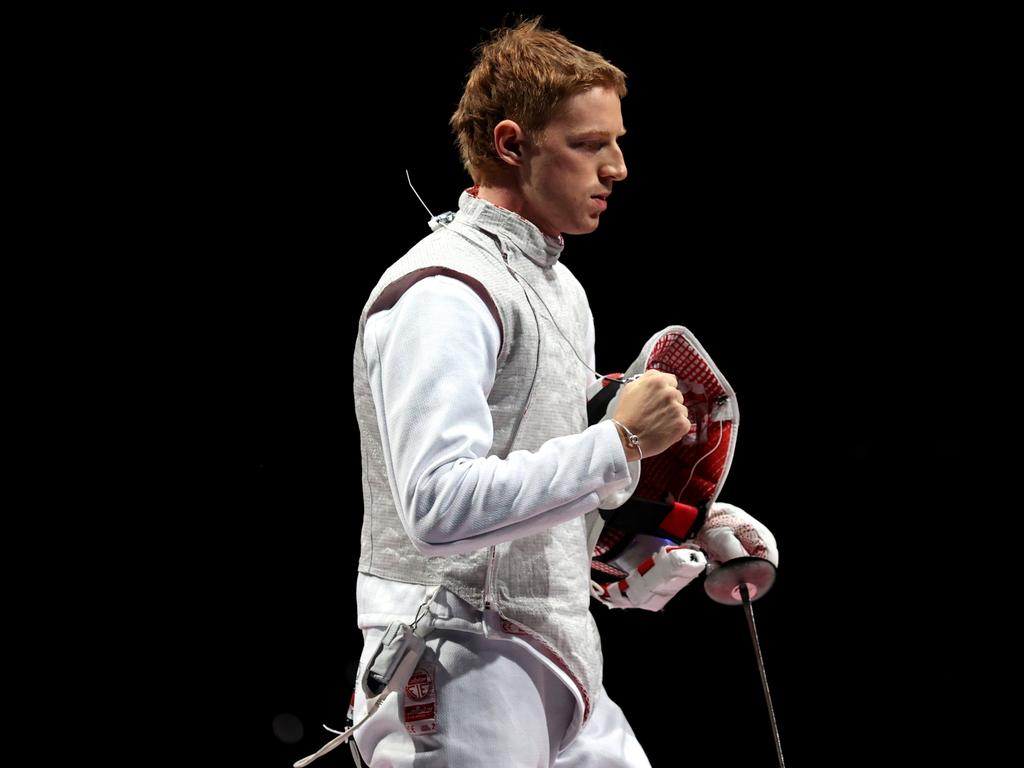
(748, 609)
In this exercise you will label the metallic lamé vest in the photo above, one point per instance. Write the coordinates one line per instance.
(539, 582)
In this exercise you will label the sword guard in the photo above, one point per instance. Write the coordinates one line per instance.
(723, 583)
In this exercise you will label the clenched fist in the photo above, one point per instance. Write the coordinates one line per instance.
(651, 408)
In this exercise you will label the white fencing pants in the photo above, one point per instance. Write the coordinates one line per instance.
(489, 703)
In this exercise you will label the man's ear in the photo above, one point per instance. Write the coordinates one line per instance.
(508, 142)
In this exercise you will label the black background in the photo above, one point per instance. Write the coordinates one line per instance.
(790, 197)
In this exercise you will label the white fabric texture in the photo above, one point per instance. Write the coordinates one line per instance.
(497, 706)
(615, 499)
(539, 583)
(447, 611)
(452, 497)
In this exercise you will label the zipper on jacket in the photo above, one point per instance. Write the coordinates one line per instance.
(492, 556)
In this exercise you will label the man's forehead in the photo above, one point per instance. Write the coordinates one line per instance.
(597, 112)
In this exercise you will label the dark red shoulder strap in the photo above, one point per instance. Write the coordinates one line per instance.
(390, 295)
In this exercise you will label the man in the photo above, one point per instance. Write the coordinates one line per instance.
(471, 363)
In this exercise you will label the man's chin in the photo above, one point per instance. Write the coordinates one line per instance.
(583, 229)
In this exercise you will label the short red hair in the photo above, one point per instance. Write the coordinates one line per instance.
(522, 73)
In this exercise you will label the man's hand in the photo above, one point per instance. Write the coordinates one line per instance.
(652, 409)
(729, 532)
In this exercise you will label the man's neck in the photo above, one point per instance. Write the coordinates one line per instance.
(503, 197)
(510, 199)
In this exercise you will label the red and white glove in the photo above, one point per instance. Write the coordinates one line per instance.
(729, 532)
(655, 581)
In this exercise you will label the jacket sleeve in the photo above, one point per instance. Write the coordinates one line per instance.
(431, 365)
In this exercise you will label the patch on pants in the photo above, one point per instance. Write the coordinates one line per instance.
(420, 700)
